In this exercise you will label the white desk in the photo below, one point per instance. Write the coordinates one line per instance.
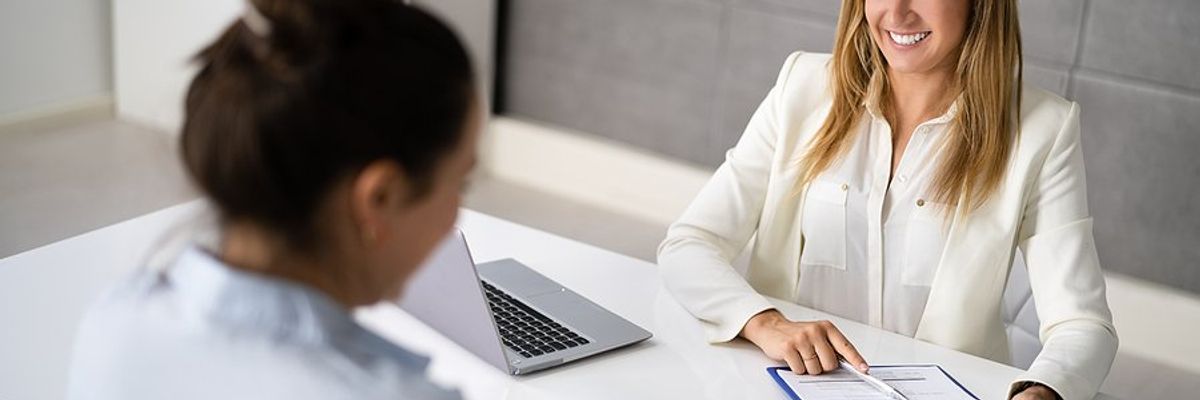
(43, 292)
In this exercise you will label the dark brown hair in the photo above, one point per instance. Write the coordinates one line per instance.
(277, 116)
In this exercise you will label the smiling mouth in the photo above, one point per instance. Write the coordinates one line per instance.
(908, 39)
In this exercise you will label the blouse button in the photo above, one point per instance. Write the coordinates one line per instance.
(920, 202)
(845, 187)
(902, 178)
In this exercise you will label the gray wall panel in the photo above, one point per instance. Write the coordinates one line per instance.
(1050, 29)
(1154, 39)
(758, 43)
(638, 71)
(653, 117)
(1050, 77)
(820, 10)
(1140, 144)
(665, 42)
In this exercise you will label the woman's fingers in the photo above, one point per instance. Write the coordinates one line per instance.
(811, 347)
(812, 361)
(828, 357)
(845, 348)
(793, 360)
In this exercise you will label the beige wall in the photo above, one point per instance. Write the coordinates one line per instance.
(53, 52)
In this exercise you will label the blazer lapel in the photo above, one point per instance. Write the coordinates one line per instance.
(963, 310)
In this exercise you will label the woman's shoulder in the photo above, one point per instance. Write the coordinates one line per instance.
(143, 323)
(132, 296)
(803, 84)
(806, 62)
(1041, 105)
(1045, 117)
(804, 69)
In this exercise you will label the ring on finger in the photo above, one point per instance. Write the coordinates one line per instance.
(813, 357)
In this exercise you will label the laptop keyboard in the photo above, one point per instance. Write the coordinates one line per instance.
(526, 331)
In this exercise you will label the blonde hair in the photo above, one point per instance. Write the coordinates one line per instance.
(988, 78)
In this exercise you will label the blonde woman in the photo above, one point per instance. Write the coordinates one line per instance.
(892, 183)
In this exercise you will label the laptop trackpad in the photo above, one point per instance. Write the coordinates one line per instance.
(516, 278)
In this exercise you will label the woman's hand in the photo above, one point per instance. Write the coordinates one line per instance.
(1036, 392)
(807, 347)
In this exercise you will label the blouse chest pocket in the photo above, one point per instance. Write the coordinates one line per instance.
(925, 240)
(824, 225)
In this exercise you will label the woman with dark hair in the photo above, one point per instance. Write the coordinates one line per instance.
(333, 138)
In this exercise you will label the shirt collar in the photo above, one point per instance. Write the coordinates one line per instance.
(871, 104)
(245, 303)
(241, 299)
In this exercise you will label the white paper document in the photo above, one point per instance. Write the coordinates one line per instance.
(917, 382)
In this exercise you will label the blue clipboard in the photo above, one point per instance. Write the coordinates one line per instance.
(774, 373)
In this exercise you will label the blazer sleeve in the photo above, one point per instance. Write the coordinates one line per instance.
(695, 258)
(1079, 341)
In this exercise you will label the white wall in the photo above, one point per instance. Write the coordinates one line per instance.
(53, 52)
(155, 39)
(154, 43)
(474, 22)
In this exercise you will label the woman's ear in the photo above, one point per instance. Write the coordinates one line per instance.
(377, 192)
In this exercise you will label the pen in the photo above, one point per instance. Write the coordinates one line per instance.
(873, 381)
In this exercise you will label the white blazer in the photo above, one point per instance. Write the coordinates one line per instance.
(1040, 207)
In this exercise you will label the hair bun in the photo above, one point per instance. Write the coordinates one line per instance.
(274, 120)
(256, 21)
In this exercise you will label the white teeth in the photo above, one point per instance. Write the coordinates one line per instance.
(908, 40)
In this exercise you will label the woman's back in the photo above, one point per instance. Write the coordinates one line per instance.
(203, 330)
(332, 138)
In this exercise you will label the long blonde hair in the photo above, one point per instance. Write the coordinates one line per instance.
(988, 78)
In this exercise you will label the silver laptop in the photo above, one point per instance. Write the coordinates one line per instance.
(509, 315)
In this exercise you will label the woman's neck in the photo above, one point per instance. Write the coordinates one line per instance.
(250, 248)
(917, 97)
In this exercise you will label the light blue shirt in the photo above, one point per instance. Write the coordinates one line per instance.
(203, 330)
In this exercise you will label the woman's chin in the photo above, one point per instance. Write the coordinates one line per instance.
(910, 65)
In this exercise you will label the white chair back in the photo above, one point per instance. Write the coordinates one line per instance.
(1020, 316)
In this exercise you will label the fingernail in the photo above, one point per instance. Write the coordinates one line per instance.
(863, 367)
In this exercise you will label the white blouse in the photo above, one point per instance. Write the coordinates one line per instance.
(203, 330)
(871, 242)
